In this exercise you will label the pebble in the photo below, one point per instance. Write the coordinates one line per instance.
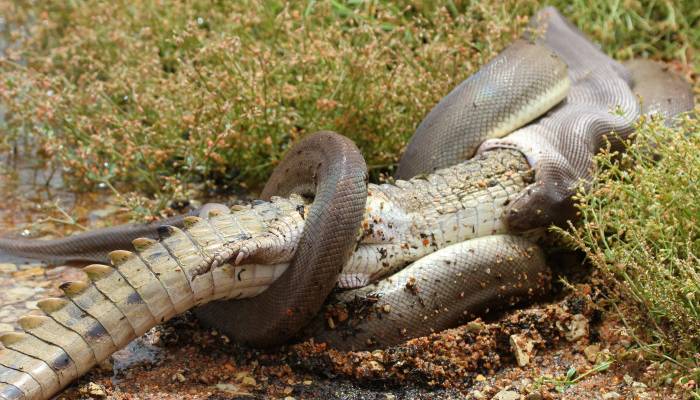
(639, 386)
(375, 366)
(591, 352)
(96, 391)
(232, 389)
(249, 381)
(478, 395)
(506, 395)
(20, 293)
(576, 328)
(25, 273)
(611, 396)
(522, 348)
(32, 266)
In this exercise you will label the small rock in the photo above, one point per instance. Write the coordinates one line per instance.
(25, 273)
(179, 377)
(32, 266)
(20, 293)
(249, 381)
(231, 389)
(475, 326)
(96, 391)
(628, 379)
(506, 395)
(375, 366)
(522, 348)
(229, 367)
(478, 395)
(638, 386)
(576, 328)
(389, 396)
(591, 352)
(611, 396)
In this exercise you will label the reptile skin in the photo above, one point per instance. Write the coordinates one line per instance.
(330, 168)
(447, 226)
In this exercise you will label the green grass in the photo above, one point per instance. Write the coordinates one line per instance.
(640, 226)
(173, 100)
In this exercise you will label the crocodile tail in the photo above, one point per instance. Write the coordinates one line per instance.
(135, 292)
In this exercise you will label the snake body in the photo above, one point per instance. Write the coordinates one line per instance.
(293, 252)
(520, 84)
(330, 168)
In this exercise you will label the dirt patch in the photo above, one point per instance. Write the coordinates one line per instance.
(576, 352)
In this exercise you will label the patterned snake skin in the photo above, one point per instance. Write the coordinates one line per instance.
(560, 145)
(533, 78)
(329, 167)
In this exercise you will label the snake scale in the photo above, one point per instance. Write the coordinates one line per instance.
(436, 246)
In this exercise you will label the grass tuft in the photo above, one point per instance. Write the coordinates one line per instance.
(640, 226)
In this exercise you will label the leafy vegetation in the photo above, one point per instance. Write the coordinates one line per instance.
(640, 226)
(172, 100)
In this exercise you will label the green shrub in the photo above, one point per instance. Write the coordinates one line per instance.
(174, 100)
(640, 226)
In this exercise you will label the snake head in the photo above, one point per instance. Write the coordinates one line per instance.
(539, 205)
